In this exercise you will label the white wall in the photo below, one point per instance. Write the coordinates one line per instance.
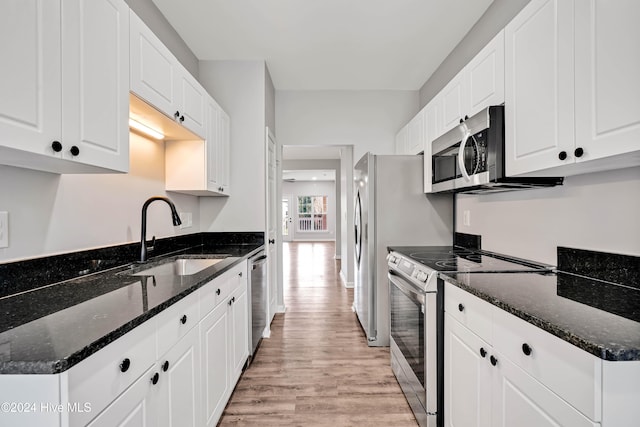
(368, 120)
(239, 88)
(596, 211)
(312, 188)
(51, 213)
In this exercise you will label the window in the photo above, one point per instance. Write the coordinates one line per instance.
(312, 213)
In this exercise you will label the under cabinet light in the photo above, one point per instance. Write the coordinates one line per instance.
(145, 129)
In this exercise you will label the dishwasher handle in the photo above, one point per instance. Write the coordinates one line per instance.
(257, 262)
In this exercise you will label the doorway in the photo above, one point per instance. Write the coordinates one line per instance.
(287, 219)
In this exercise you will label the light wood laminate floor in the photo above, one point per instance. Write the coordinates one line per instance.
(316, 369)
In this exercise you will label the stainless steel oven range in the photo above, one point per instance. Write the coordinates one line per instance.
(416, 303)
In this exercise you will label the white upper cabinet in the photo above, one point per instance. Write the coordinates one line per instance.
(479, 85)
(95, 82)
(607, 52)
(159, 78)
(572, 92)
(432, 129)
(65, 84)
(539, 86)
(417, 133)
(402, 140)
(201, 167)
(485, 77)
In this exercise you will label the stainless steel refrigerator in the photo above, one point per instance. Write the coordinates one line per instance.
(391, 208)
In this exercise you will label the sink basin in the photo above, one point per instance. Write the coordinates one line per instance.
(180, 267)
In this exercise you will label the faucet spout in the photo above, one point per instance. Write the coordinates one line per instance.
(175, 218)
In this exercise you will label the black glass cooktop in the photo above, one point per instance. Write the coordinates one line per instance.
(459, 259)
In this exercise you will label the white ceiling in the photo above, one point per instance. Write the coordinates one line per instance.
(328, 44)
(315, 152)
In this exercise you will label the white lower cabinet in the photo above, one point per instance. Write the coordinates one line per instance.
(133, 408)
(177, 369)
(501, 371)
(225, 344)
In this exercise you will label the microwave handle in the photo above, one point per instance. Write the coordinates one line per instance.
(466, 134)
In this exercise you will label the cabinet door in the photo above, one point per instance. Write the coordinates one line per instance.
(607, 85)
(224, 153)
(519, 400)
(191, 102)
(179, 403)
(214, 338)
(417, 133)
(402, 140)
(539, 90)
(153, 68)
(432, 131)
(135, 407)
(95, 85)
(485, 76)
(30, 79)
(467, 380)
(213, 142)
(453, 102)
(239, 332)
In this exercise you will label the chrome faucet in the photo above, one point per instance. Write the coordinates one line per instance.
(143, 237)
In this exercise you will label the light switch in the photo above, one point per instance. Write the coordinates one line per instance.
(4, 229)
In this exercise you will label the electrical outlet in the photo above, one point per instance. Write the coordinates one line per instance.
(466, 218)
(186, 218)
(4, 229)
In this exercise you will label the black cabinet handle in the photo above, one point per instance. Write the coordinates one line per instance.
(155, 378)
(461, 120)
(562, 155)
(233, 299)
(466, 117)
(526, 349)
(74, 151)
(483, 352)
(579, 152)
(272, 241)
(240, 274)
(176, 114)
(493, 360)
(217, 291)
(165, 366)
(181, 119)
(124, 365)
(230, 302)
(183, 319)
(460, 307)
(56, 146)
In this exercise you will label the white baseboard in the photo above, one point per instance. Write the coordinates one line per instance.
(345, 283)
(337, 257)
(281, 309)
(267, 332)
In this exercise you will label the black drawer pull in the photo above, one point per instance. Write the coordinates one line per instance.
(460, 307)
(183, 319)
(155, 378)
(165, 366)
(493, 360)
(125, 364)
(526, 349)
(483, 352)
(218, 291)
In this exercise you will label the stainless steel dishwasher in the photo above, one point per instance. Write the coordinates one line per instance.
(258, 299)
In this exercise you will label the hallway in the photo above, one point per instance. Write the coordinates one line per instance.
(316, 369)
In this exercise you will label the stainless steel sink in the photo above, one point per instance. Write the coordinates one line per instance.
(179, 267)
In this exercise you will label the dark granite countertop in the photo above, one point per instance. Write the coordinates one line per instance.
(51, 327)
(602, 318)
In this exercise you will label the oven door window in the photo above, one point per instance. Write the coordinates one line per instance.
(407, 330)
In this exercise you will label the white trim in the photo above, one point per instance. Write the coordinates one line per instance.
(348, 285)
(337, 257)
(281, 309)
(314, 239)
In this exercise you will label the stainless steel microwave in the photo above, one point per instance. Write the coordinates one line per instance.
(470, 158)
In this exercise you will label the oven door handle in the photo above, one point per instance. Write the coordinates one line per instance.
(466, 134)
(406, 288)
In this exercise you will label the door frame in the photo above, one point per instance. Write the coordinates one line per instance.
(291, 236)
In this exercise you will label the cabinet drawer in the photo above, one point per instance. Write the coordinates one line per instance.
(176, 321)
(571, 373)
(213, 293)
(99, 379)
(469, 310)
